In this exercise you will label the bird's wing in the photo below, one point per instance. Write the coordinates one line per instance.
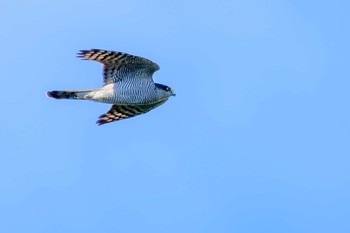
(118, 66)
(120, 112)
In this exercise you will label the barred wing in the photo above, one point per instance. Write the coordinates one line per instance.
(118, 66)
(120, 112)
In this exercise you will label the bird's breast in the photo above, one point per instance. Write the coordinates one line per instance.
(127, 93)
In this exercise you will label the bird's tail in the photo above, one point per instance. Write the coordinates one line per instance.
(71, 94)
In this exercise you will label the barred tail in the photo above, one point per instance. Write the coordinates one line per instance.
(71, 94)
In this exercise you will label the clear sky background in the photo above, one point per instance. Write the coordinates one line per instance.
(256, 140)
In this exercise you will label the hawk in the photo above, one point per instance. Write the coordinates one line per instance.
(127, 85)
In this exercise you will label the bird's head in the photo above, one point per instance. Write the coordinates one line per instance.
(166, 90)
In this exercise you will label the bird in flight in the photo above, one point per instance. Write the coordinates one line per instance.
(127, 85)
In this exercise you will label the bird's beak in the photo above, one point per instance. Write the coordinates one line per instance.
(173, 93)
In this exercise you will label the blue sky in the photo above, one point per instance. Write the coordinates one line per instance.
(256, 140)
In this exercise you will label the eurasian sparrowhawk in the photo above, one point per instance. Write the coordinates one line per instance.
(127, 85)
